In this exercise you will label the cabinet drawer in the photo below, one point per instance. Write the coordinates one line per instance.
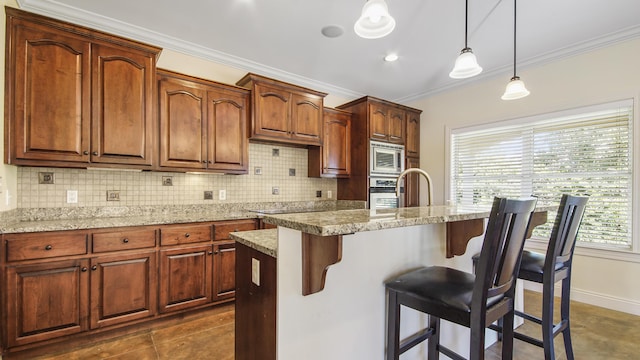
(185, 234)
(42, 246)
(222, 229)
(123, 240)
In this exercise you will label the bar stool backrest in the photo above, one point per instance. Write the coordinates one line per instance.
(565, 231)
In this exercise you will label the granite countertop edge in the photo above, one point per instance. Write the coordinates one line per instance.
(264, 241)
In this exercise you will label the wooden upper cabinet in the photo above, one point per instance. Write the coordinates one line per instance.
(123, 86)
(228, 113)
(203, 124)
(412, 141)
(48, 77)
(387, 123)
(333, 158)
(76, 96)
(284, 112)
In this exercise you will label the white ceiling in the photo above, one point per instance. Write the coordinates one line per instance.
(282, 38)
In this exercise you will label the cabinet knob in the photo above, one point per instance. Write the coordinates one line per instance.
(85, 152)
(125, 240)
(95, 153)
(84, 269)
(235, 230)
(209, 161)
(187, 235)
(210, 252)
(94, 267)
(48, 247)
(204, 161)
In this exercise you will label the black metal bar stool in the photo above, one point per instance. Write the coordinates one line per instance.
(474, 301)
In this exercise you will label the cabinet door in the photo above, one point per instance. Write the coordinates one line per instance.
(123, 83)
(337, 144)
(224, 270)
(412, 184)
(378, 122)
(306, 119)
(412, 146)
(272, 112)
(48, 95)
(227, 133)
(46, 301)
(185, 277)
(123, 288)
(182, 124)
(397, 123)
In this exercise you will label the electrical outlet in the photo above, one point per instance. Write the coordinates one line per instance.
(72, 196)
(257, 170)
(167, 181)
(275, 190)
(292, 172)
(319, 193)
(275, 152)
(255, 271)
(329, 194)
(208, 195)
(222, 194)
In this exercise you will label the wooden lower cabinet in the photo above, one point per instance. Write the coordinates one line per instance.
(224, 264)
(56, 285)
(185, 277)
(46, 301)
(123, 288)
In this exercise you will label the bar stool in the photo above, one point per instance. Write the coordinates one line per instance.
(474, 301)
(550, 268)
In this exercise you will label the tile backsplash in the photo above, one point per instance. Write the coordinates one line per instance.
(146, 188)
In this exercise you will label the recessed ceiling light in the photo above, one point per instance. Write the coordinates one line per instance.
(332, 31)
(391, 57)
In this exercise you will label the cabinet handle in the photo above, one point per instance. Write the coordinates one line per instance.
(187, 235)
(84, 269)
(216, 252)
(235, 230)
(94, 268)
(125, 240)
(85, 152)
(48, 247)
(95, 153)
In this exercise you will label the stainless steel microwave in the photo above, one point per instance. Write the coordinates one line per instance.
(386, 159)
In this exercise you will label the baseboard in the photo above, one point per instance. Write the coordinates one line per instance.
(593, 298)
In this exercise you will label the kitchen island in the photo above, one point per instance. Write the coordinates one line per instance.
(324, 296)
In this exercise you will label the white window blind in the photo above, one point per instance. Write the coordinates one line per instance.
(587, 152)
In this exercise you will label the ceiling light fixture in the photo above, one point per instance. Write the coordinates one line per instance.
(375, 21)
(515, 88)
(391, 57)
(466, 64)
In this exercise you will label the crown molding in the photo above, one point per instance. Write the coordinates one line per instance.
(92, 20)
(74, 15)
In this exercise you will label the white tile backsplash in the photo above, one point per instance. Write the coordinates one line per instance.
(145, 188)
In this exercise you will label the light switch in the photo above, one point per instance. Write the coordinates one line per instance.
(72, 196)
(255, 271)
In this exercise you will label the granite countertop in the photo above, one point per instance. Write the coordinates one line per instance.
(79, 218)
(342, 222)
(265, 241)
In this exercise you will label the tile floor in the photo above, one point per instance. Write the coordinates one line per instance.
(597, 333)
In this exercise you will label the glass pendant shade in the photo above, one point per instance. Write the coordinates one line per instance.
(375, 21)
(515, 89)
(466, 65)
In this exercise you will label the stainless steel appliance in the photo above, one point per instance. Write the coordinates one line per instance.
(382, 193)
(385, 159)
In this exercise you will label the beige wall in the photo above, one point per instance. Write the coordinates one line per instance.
(599, 76)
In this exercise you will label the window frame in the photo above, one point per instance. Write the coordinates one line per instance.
(631, 254)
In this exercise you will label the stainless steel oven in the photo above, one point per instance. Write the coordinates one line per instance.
(382, 193)
(385, 159)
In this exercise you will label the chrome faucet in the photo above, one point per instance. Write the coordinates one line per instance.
(426, 176)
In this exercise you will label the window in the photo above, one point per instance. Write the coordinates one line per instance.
(586, 151)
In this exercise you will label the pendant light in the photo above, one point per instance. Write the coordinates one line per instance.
(466, 64)
(375, 21)
(515, 88)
